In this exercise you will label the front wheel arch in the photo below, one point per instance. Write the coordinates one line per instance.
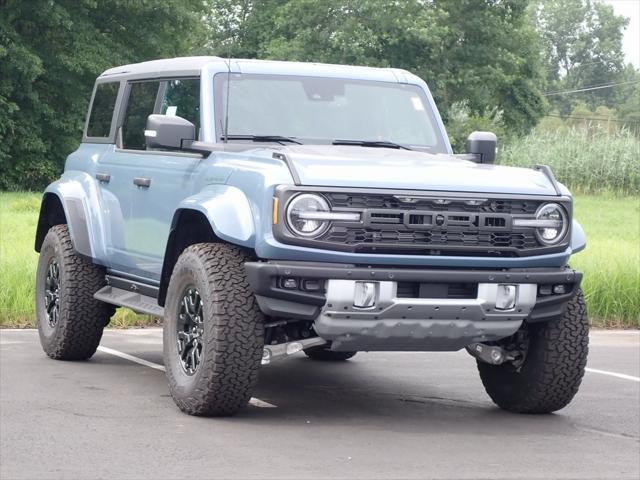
(188, 227)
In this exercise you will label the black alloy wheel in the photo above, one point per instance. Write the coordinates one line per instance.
(52, 293)
(190, 329)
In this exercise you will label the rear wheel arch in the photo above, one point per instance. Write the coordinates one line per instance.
(59, 209)
(51, 214)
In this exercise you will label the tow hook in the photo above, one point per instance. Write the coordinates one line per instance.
(282, 350)
(491, 354)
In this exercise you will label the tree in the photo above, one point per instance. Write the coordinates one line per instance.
(484, 53)
(582, 45)
(627, 99)
(51, 51)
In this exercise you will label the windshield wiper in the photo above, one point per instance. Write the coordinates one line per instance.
(262, 138)
(371, 143)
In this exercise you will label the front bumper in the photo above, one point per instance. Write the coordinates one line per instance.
(409, 321)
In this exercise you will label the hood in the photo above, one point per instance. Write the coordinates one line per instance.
(354, 166)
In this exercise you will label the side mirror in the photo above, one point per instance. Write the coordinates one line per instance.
(483, 146)
(169, 132)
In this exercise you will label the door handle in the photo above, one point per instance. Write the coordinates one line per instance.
(142, 182)
(103, 177)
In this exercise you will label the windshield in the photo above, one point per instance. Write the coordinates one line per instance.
(326, 110)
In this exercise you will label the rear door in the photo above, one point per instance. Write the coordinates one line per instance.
(149, 184)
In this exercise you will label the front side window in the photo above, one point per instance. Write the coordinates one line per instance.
(141, 104)
(323, 110)
(104, 101)
(177, 97)
(181, 97)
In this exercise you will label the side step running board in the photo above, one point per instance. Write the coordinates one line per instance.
(135, 301)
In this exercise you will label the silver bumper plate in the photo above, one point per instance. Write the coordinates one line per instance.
(372, 317)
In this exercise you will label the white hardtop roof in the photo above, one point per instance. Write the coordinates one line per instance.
(187, 65)
(193, 66)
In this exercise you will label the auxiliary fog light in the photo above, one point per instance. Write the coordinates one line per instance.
(559, 289)
(290, 283)
(364, 295)
(506, 296)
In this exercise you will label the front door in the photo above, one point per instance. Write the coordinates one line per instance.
(148, 184)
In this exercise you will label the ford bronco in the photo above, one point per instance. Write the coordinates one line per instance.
(266, 208)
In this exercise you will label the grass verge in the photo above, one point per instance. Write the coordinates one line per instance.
(611, 263)
(18, 261)
(586, 161)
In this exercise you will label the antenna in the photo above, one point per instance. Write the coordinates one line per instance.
(226, 113)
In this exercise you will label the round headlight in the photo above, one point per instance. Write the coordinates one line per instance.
(300, 213)
(555, 218)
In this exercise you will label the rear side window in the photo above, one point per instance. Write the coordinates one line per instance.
(141, 104)
(182, 98)
(102, 109)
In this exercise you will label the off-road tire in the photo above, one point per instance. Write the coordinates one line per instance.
(323, 354)
(78, 331)
(553, 367)
(233, 331)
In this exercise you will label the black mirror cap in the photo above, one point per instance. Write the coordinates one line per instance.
(169, 132)
(483, 145)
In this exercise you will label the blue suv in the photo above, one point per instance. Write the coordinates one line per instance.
(266, 208)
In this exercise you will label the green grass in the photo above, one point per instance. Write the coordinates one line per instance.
(611, 263)
(586, 161)
(18, 218)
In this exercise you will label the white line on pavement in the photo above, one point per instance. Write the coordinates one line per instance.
(614, 374)
(131, 358)
(256, 402)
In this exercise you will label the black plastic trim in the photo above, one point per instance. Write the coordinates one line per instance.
(552, 306)
(132, 286)
(278, 308)
(546, 169)
(292, 169)
(261, 276)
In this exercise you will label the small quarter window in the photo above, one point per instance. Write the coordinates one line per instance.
(102, 110)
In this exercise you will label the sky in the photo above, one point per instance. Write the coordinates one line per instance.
(631, 42)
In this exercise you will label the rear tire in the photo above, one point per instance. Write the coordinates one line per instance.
(323, 354)
(213, 331)
(70, 320)
(552, 369)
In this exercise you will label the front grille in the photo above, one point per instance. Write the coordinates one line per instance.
(394, 238)
(414, 223)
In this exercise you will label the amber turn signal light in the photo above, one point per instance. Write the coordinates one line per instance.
(275, 210)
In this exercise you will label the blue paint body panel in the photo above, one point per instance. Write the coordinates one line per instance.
(126, 227)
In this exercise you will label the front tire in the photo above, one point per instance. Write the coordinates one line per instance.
(213, 331)
(553, 365)
(70, 320)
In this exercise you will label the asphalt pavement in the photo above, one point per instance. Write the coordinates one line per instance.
(379, 415)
